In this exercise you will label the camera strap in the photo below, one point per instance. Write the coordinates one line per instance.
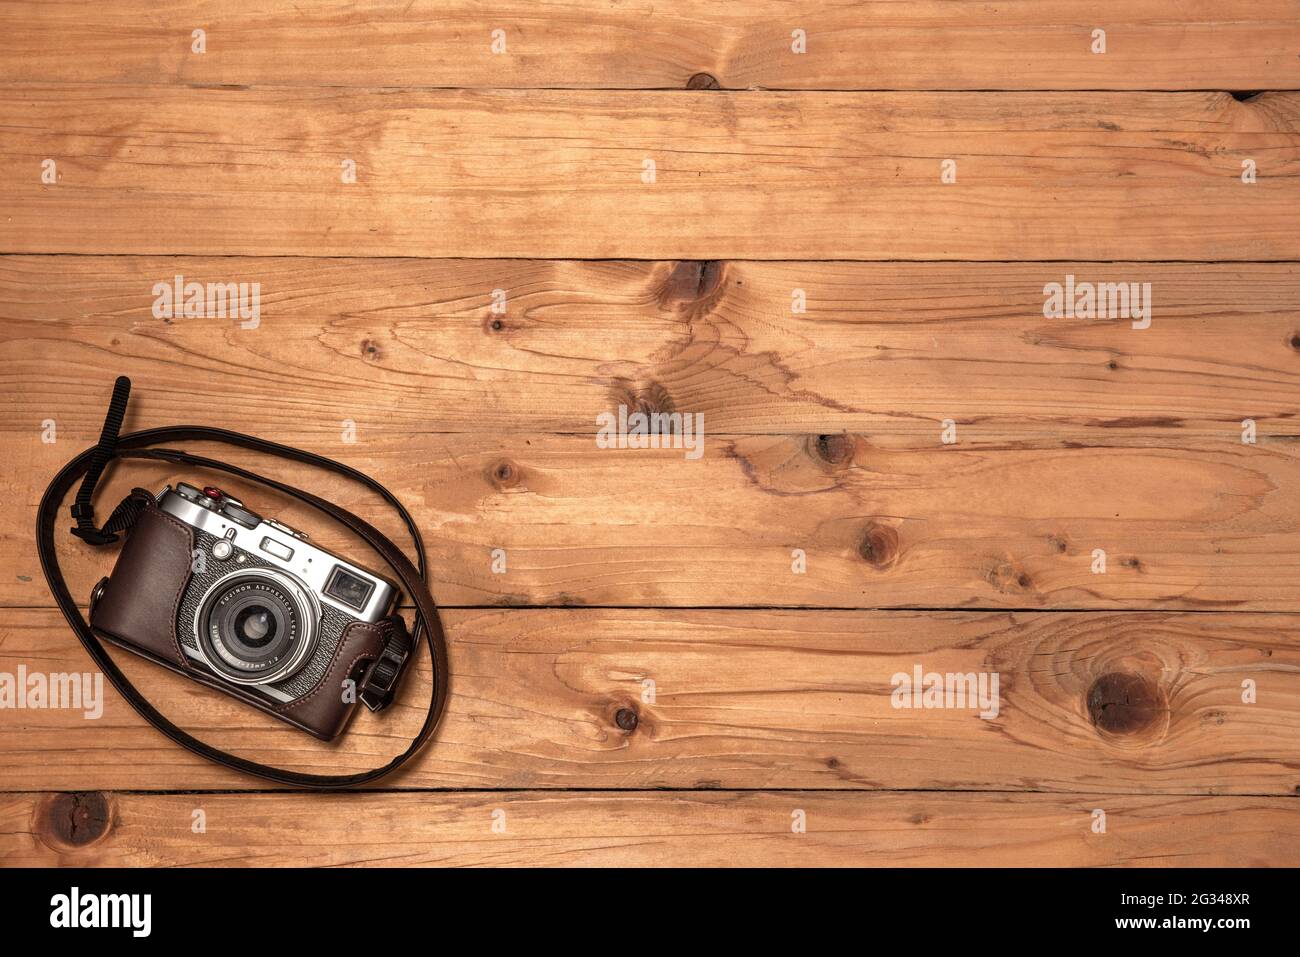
(379, 682)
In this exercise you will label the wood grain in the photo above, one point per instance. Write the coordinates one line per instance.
(1151, 44)
(723, 829)
(889, 350)
(1040, 176)
(613, 698)
(1195, 525)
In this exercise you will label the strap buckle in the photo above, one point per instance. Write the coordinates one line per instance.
(380, 680)
(122, 519)
(93, 536)
(84, 513)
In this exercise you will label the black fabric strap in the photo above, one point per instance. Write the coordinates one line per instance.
(91, 464)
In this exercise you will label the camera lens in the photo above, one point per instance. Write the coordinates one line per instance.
(255, 627)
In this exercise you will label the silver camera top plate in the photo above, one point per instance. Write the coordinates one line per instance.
(334, 581)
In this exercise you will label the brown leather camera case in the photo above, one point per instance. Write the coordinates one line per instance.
(137, 609)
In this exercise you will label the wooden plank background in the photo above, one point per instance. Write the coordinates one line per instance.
(719, 829)
(1197, 525)
(797, 699)
(879, 44)
(656, 678)
(842, 175)
(886, 349)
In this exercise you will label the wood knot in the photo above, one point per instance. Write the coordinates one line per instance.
(646, 398)
(626, 719)
(833, 449)
(504, 474)
(370, 350)
(1006, 577)
(692, 284)
(1214, 717)
(71, 821)
(494, 324)
(1123, 703)
(1294, 341)
(879, 545)
(703, 81)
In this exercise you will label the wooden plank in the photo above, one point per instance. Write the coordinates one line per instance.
(886, 349)
(1198, 526)
(1040, 176)
(1150, 44)
(724, 829)
(607, 698)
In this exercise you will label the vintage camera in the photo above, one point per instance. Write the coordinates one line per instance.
(248, 605)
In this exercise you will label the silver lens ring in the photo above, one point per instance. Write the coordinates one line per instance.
(299, 614)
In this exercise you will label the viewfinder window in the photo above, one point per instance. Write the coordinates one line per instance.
(353, 590)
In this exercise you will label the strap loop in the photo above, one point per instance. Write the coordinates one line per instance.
(381, 678)
(83, 510)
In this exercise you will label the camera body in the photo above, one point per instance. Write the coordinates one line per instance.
(247, 605)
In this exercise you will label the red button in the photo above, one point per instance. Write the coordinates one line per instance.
(213, 492)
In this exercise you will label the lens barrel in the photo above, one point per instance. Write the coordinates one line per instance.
(256, 626)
